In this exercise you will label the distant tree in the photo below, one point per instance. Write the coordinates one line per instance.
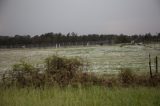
(53, 38)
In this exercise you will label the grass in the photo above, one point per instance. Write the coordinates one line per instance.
(81, 96)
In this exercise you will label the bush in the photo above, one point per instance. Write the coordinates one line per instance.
(23, 67)
(25, 74)
(58, 70)
(86, 79)
(126, 76)
(62, 70)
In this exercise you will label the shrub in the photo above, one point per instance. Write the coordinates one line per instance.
(58, 70)
(126, 76)
(23, 67)
(25, 74)
(155, 80)
(146, 80)
(86, 79)
(62, 70)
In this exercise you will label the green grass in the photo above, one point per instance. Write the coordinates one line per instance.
(82, 96)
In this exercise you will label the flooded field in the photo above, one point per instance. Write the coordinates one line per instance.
(104, 59)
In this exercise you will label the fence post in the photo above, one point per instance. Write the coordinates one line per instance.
(150, 66)
(56, 45)
(156, 61)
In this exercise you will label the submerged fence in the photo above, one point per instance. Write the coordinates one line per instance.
(57, 45)
(150, 66)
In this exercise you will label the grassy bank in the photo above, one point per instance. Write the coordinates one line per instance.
(86, 96)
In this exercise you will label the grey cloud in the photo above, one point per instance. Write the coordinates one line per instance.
(81, 16)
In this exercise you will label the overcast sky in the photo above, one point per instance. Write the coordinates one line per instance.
(80, 16)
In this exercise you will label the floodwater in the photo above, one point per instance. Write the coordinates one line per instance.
(103, 59)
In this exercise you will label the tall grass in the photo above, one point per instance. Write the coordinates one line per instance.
(82, 96)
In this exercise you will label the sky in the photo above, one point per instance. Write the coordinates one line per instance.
(34, 17)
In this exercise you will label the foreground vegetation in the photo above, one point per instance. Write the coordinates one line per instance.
(63, 82)
(63, 71)
(81, 96)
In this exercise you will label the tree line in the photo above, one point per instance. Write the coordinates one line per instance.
(73, 38)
